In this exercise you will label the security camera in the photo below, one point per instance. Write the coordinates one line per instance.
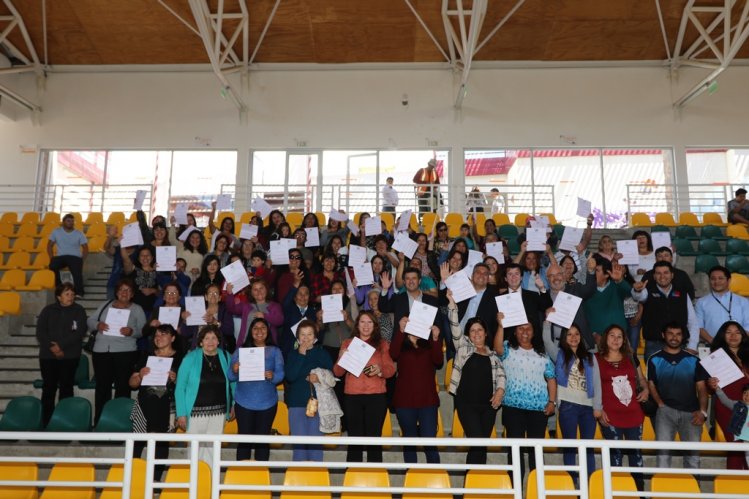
(404, 100)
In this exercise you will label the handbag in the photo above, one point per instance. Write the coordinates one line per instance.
(88, 346)
(312, 405)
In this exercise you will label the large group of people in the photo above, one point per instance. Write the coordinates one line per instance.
(586, 375)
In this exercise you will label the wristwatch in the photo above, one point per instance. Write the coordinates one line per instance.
(552, 402)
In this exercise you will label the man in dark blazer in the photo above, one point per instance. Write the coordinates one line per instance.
(535, 304)
(482, 305)
(400, 304)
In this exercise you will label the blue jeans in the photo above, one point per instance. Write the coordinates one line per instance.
(571, 417)
(250, 422)
(301, 424)
(669, 422)
(418, 422)
(633, 335)
(635, 455)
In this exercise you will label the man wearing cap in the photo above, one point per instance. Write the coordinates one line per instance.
(426, 189)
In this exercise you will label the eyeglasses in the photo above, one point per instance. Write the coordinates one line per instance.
(171, 293)
(295, 257)
(212, 293)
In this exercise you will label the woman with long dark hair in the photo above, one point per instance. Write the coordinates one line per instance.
(143, 274)
(210, 273)
(192, 251)
(257, 306)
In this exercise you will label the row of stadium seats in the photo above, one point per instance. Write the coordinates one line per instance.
(640, 219)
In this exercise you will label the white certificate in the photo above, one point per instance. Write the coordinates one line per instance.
(116, 319)
(186, 233)
(405, 244)
(180, 214)
(511, 305)
(313, 237)
(565, 309)
(583, 208)
(404, 221)
(356, 356)
(628, 249)
(159, 374)
(166, 258)
(719, 365)
(349, 285)
(660, 239)
(332, 308)
(196, 306)
(337, 216)
(363, 274)
(279, 251)
(571, 238)
(461, 286)
(252, 364)
(296, 326)
(248, 231)
(420, 320)
(140, 196)
(497, 251)
(373, 226)
(356, 255)
(236, 275)
(536, 237)
(223, 202)
(261, 205)
(170, 315)
(131, 235)
(353, 228)
(474, 257)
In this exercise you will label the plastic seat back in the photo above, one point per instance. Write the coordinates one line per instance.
(740, 285)
(18, 260)
(389, 220)
(521, 219)
(553, 480)
(306, 476)
(731, 484)
(115, 417)
(684, 247)
(712, 218)
(686, 232)
(19, 471)
(294, 219)
(689, 218)
(622, 482)
(51, 218)
(4, 244)
(737, 247)
(10, 303)
(41, 261)
(22, 414)
(428, 220)
(703, 263)
(27, 230)
(30, 217)
(423, 478)
(737, 263)
(94, 217)
(137, 481)
(12, 279)
(9, 217)
(710, 247)
(454, 221)
(116, 218)
(640, 219)
(666, 482)
(487, 479)
(365, 478)
(666, 219)
(236, 475)
(281, 421)
(24, 243)
(96, 230)
(70, 472)
(712, 232)
(180, 473)
(738, 231)
(72, 414)
(508, 232)
(501, 219)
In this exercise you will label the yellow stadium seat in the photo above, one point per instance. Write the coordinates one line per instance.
(321, 218)
(521, 219)
(737, 231)
(666, 219)
(5, 245)
(7, 230)
(19, 260)
(41, 246)
(487, 479)
(70, 472)
(24, 243)
(137, 482)
(41, 261)
(281, 421)
(96, 244)
(116, 218)
(236, 475)
(12, 279)
(30, 217)
(51, 218)
(245, 217)
(666, 482)
(19, 471)
(480, 218)
(294, 219)
(47, 229)
(551, 217)
(40, 279)
(620, 482)
(501, 219)
(640, 219)
(365, 478)
(423, 478)
(689, 218)
(10, 303)
(180, 473)
(9, 218)
(96, 229)
(553, 480)
(732, 484)
(313, 477)
(454, 221)
(448, 373)
(389, 220)
(133, 217)
(94, 217)
(712, 218)
(26, 230)
(648, 432)
(429, 220)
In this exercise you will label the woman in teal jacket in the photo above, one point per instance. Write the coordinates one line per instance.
(204, 393)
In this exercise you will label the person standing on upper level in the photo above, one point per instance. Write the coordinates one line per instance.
(427, 193)
(72, 249)
(389, 196)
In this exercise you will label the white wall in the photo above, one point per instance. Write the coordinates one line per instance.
(362, 109)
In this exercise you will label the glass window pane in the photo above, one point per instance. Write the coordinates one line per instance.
(714, 175)
(402, 166)
(508, 171)
(197, 178)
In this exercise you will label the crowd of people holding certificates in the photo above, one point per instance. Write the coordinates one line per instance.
(359, 317)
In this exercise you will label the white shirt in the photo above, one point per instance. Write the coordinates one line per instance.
(389, 195)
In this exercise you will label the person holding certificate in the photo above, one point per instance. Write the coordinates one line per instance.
(477, 381)
(534, 273)
(333, 229)
(296, 307)
(143, 274)
(257, 306)
(156, 401)
(118, 324)
(210, 273)
(172, 302)
(271, 232)
(226, 228)
(256, 400)
(192, 251)
(365, 403)
(213, 312)
(288, 274)
(320, 282)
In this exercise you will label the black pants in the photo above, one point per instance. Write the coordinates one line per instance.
(251, 422)
(156, 410)
(75, 264)
(478, 421)
(388, 209)
(111, 368)
(522, 423)
(56, 374)
(365, 415)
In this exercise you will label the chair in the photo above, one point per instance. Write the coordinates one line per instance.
(553, 480)
(19, 471)
(666, 219)
(115, 416)
(20, 260)
(551, 217)
(513, 246)
(281, 421)
(96, 244)
(82, 378)
(365, 478)
(72, 414)
(521, 219)
(710, 247)
(659, 228)
(70, 472)
(389, 220)
(738, 231)
(116, 218)
(51, 218)
(731, 484)
(508, 232)
(4, 244)
(689, 218)
(712, 218)
(30, 217)
(96, 230)
(501, 219)
(180, 473)
(620, 482)
(740, 284)
(454, 221)
(294, 219)
(703, 263)
(314, 477)
(9, 217)
(236, 475)
(47, 229)
(94, 217)
(321, 218)
(10, 303)
(423, 478)
(41, 246)
(22, 414)
(648, 432)
(640, 219)
(737, 247)
(27, 230)
(487, 479)
(737, 264)
(41, 261)
(686, 232)
(7, 230)
(12, 279)
(684, 247)
(712, 232)
(428, 220)
(137, 481)
(666, 482)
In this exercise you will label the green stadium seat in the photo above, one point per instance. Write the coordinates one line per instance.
(684, 247)
(508, 232)
(737, 247)
(22, 414)
(115, 416)
(686, 232)
(712, 232)
(703, 263)
(659, 228)
(72, 414)
(711, 247)
(737, 263)
(514, 246)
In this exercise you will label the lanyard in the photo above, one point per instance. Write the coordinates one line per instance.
(730, 304)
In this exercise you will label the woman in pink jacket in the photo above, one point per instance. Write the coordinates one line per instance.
(258, 307)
